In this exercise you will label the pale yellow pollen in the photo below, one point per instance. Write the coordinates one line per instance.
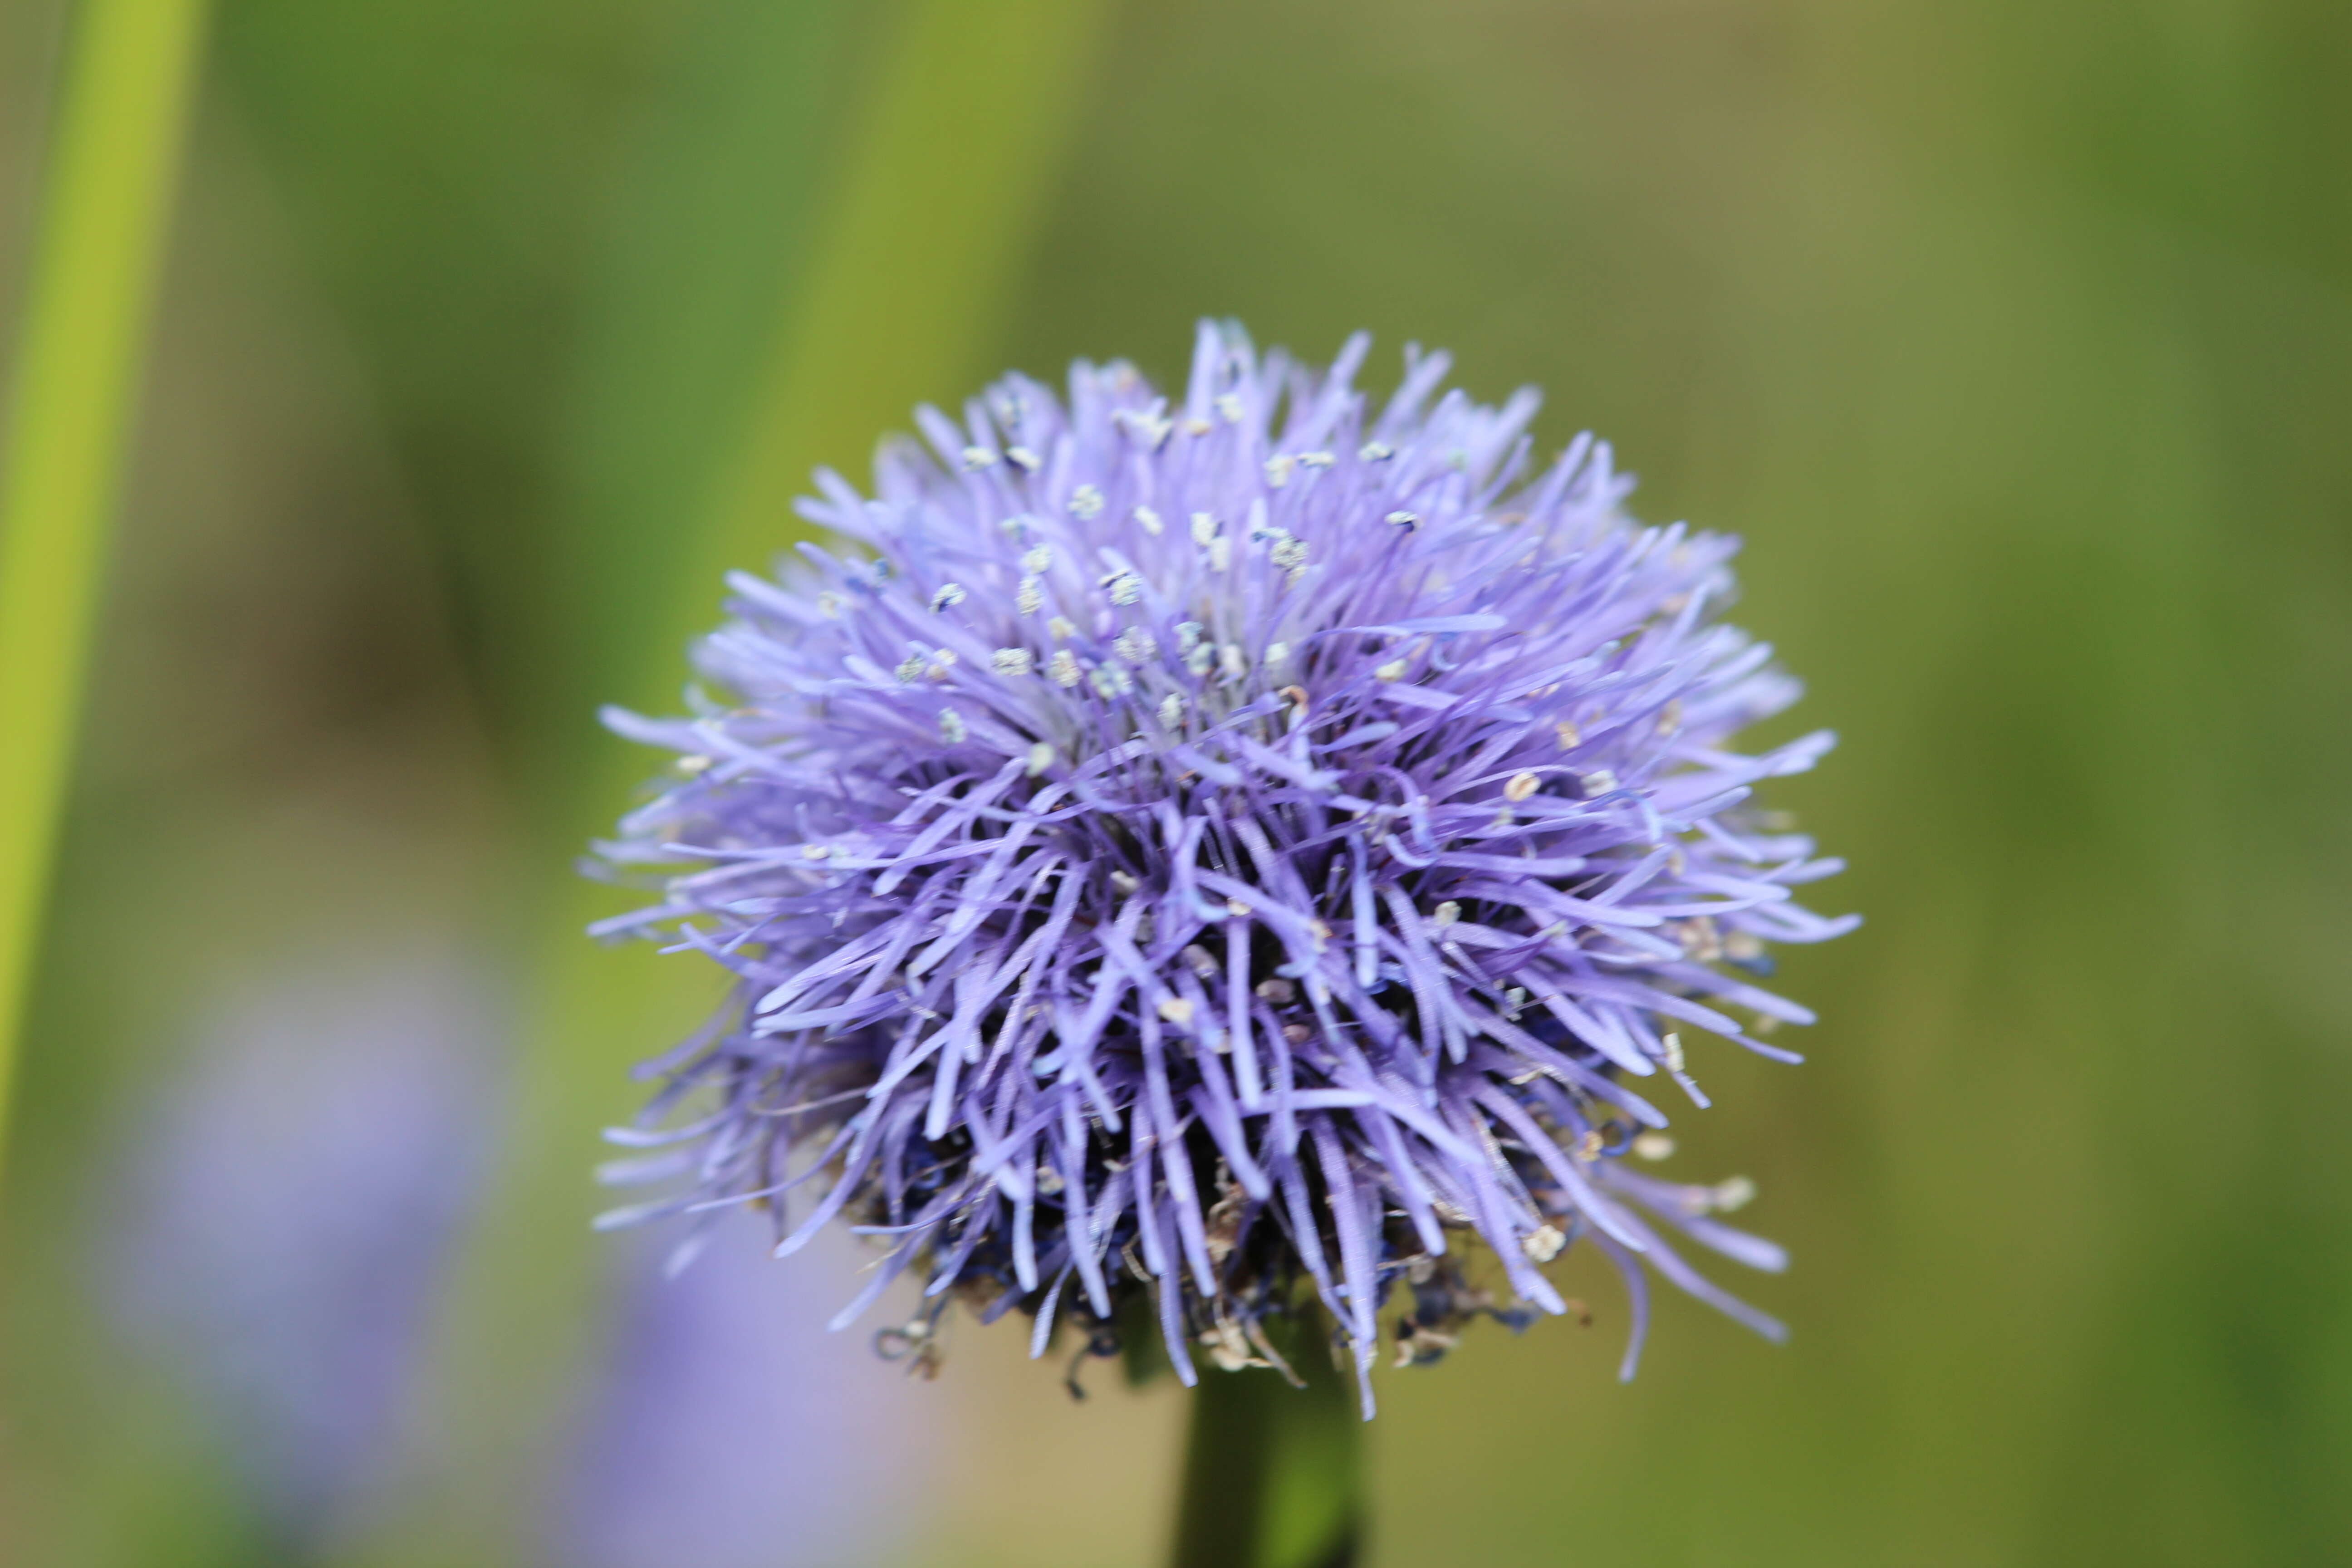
(1521, 786)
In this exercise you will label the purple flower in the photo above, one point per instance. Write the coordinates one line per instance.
(286, 1228)
(1182, 851)
(724, 1434)
(290, 1208)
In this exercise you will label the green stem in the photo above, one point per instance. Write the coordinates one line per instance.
(106, 203)
(1273, 1475)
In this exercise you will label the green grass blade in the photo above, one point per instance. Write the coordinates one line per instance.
(907, 296)
(949, 160)
(106, 207)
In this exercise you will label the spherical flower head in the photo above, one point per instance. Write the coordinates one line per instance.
(1184, 862)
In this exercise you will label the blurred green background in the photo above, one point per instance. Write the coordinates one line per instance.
(2016, 339)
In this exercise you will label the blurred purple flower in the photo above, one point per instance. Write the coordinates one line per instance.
(295, 1199)
(1194, 847)
(730, 1434)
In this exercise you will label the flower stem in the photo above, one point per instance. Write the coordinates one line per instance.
(105, 206)
(1272, 1474)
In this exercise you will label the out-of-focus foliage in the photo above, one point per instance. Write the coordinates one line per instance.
(2016, 339)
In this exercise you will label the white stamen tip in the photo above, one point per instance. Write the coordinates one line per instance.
(1011, 661)
(1086, 501)
(1521, 786)
(1148, 520)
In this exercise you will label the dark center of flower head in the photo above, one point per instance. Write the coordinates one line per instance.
(1213, 858)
